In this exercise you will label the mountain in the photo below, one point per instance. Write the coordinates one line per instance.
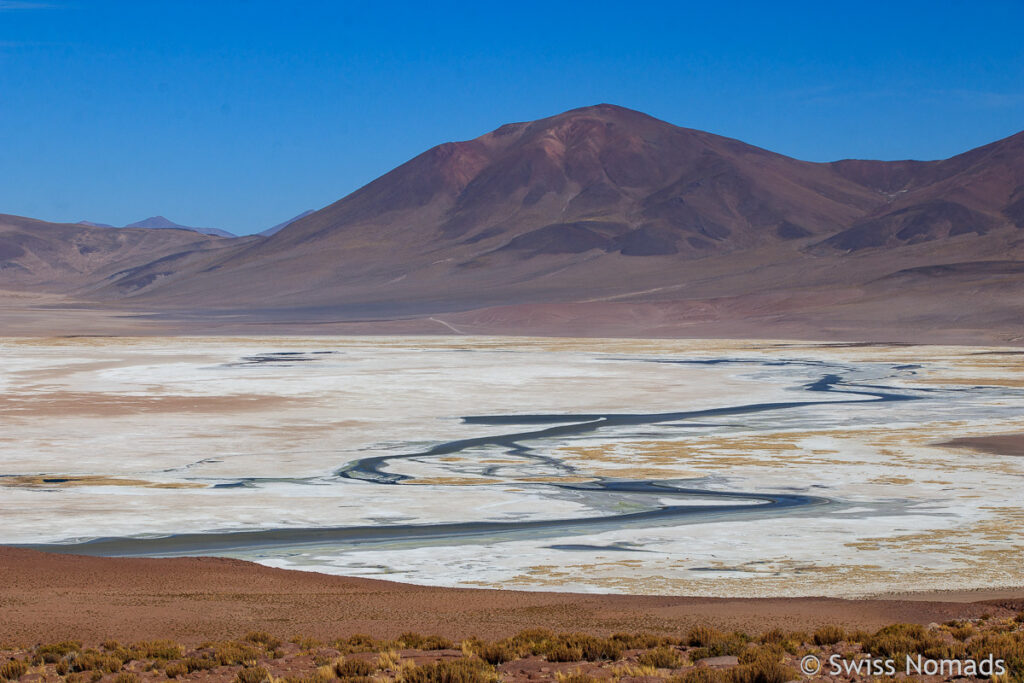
(161, 223)
(94, 225)
(977, 192)
(63, 258)
(604, 220)
(277, 228)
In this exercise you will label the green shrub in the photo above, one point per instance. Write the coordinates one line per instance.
(252, 674)
(661, 658)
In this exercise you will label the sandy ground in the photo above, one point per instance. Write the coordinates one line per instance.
(997, 444)
(46, 598)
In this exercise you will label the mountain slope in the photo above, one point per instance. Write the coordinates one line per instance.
(273, 230)
(532, 209)
(977, 192)
(57, 257)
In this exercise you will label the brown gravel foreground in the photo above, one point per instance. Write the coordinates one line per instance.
(47, 598)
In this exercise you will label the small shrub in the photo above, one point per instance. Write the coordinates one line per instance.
(350, 668)
(601, 649)
(762, 671)
(110, 645)
(532, 639)
(829, 635)
(661, 658)
(575, 647)
(773, 652)
(450, 671)
(633, 671)
(12, 670)
(262, 638)
(497, 653)
(176, 669)
(126, 677)
(230, 654)
(701, 674)
(55, 651)
(563, 652)
(574, 677)
(306, 644)
(411, 640)
(200, 664)
(95, 661)
(253, 674)
(436, 643)
(703, 636)
(389, 660)
(156, 649)
(642, 641)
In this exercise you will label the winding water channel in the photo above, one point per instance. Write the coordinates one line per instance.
(664, 502)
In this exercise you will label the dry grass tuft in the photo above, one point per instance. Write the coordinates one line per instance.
(12, 670)
(253, 674)
(661, 658)
(450, 671)
(829, 635)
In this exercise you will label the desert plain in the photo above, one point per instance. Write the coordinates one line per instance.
(760, 469)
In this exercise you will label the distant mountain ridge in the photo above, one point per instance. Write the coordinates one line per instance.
(607, 220)
(284, 224)
(161, 223)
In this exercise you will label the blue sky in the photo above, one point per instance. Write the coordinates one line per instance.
(240, 114)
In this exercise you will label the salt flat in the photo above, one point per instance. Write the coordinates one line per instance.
(160, 437)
